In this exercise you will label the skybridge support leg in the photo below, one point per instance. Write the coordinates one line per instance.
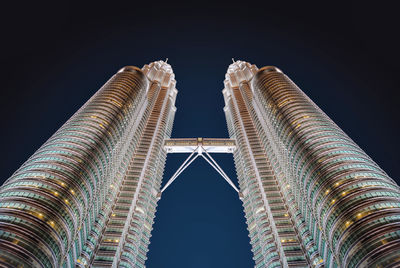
(184, 165)
(220, 171)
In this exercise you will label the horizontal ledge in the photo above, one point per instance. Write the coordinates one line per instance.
(211, 145)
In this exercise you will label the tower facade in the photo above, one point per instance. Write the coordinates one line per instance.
(87, 197)
(311, 196)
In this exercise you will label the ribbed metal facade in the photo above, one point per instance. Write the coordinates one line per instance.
(311, 196)
(88, 196)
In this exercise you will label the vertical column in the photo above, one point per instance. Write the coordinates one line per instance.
(125, 237)
(273, 236)
(137, 235)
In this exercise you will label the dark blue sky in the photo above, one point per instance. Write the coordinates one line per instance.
(56, 55)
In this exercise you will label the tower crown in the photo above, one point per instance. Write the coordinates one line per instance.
(161, 72)
(240, 71)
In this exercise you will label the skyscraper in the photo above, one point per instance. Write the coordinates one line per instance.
(311, 196)
(88, 196)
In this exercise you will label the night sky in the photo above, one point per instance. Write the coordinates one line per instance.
(55, 55)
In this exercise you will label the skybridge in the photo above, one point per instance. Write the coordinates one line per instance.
(200, 147)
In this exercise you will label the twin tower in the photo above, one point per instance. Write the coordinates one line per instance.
(88, 196)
